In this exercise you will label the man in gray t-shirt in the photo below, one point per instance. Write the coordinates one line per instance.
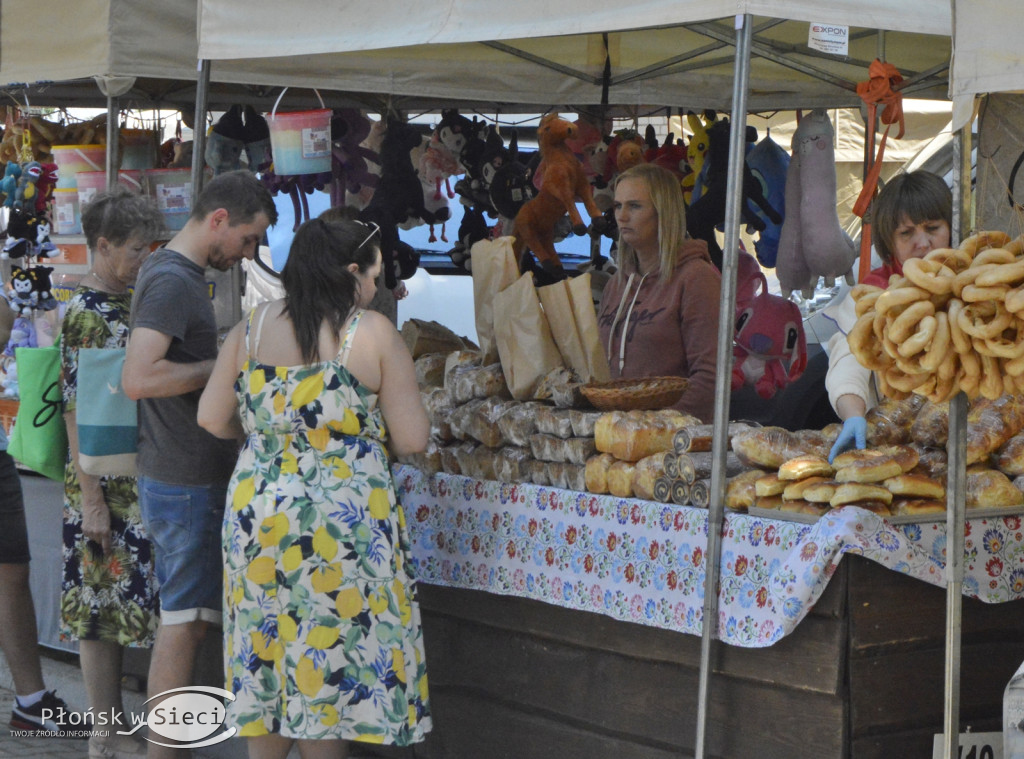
(183, 470)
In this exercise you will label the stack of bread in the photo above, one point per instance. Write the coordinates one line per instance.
(477, 429)
(954, 321)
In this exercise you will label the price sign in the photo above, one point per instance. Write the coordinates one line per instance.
(973, 746)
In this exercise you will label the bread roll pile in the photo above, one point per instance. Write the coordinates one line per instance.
(954, 321)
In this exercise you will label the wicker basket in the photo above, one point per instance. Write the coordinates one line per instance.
(645, 393)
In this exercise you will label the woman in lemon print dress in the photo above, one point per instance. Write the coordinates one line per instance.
(322, 634)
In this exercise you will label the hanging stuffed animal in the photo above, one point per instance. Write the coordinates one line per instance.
(696, 152)
(45, 185)
(350, 159)
(9, 183)
(22, 297)
(256, 137)
(671, 154)
(769, 162)
(23, 335)
(42, 287)
(769, 348)
(22, 234)
(225, 142)
(561, 180)
(708, 211)
(399, 194)
(512, 185)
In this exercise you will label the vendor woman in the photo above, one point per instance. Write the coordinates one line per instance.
(659, 312)
(910, 217)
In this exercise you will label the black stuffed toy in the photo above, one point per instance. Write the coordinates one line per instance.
(708, 211)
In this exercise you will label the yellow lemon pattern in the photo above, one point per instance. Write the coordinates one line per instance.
(323, 634)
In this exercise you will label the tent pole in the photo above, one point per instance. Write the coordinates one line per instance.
(956, 451)
(723, 375)
(112, 160)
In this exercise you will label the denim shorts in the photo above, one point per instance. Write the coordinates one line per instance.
(184, 526)
(13, 532)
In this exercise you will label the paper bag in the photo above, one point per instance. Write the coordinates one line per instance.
(581, 296)
(558, 309)
(525, 346)
(494, 269)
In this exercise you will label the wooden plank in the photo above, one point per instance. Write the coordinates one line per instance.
(912, 743)
(607, 692)
(903, 690)
(889, 609)
(811, 658)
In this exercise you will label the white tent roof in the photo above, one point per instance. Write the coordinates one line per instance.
(986, 52)
(660, 52)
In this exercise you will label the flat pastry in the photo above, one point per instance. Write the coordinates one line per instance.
(769, 484)
(795, 490)
(821, 492)
(876, 507)
(851, 492)
(917, 506)
(801, 467)
(915, 486)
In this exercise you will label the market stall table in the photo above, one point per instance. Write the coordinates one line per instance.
(850, 659)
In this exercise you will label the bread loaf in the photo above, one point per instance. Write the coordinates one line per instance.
(430, 370)
(740, 492)
(422, 337)
(684, 493)
(538, 472)
(992, 423)
(889, 422)
(766, 447)
(576, 450)
(439, 407)
(645, 472)
(698, 437)
(894, 460)
(931, 425)
(816, 443)
(1009, 459)
(553, 421)
(449, 459)
(519, 424)
(557, 474)
(511, 464)
(620, 479)
(582, 422)
(596, 473)
(990, 488)
(881, 508)
(771, 502)
(821, 492)
(575, 477)
(632, 435)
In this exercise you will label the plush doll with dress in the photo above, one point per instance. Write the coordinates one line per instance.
(22, 297)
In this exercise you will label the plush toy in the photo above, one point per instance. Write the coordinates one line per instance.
(670, 155)
(9, 183)
(812, 243)
(483, 154)
(42, 287)
(22, 297)
(707, 212)
(23, 335)
(350, 159)
(9, 383)
(561, 179)
(256, 136)
(696, 152)
(45, 185)
(225, 142)
(769, 348)
(769, 163)
(512, 185)
(472, 229)
(399, 194)
(28, 234)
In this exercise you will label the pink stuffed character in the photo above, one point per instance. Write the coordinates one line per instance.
(769, 348)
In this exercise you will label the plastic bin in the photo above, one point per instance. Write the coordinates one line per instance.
(172, 190)
(139, 149)
(72, 159)
(67, 214)
(92, 182)
(300, 142)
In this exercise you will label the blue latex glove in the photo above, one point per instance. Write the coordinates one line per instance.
(854, 433)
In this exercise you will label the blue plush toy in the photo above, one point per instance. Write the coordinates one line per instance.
(9, 183)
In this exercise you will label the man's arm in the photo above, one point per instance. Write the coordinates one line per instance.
(149, 374)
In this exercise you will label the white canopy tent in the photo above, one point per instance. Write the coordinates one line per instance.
(987, 54)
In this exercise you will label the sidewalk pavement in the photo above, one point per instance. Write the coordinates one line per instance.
(62, 673)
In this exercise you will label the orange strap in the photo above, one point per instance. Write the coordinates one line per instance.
(877, 90)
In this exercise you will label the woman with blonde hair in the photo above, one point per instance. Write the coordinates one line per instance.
(659, 313)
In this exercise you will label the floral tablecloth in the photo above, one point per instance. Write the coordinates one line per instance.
(642, 561)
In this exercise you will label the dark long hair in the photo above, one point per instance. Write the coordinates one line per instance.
(317, 283)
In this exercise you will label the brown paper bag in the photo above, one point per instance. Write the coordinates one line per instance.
(525, 345)
(558, 309)
(494, 269)
(582, 299)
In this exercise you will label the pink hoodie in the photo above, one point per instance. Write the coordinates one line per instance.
(671, 327)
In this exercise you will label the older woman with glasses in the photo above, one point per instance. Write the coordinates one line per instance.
(322, 635)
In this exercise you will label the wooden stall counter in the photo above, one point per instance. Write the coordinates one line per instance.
(568, 657)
